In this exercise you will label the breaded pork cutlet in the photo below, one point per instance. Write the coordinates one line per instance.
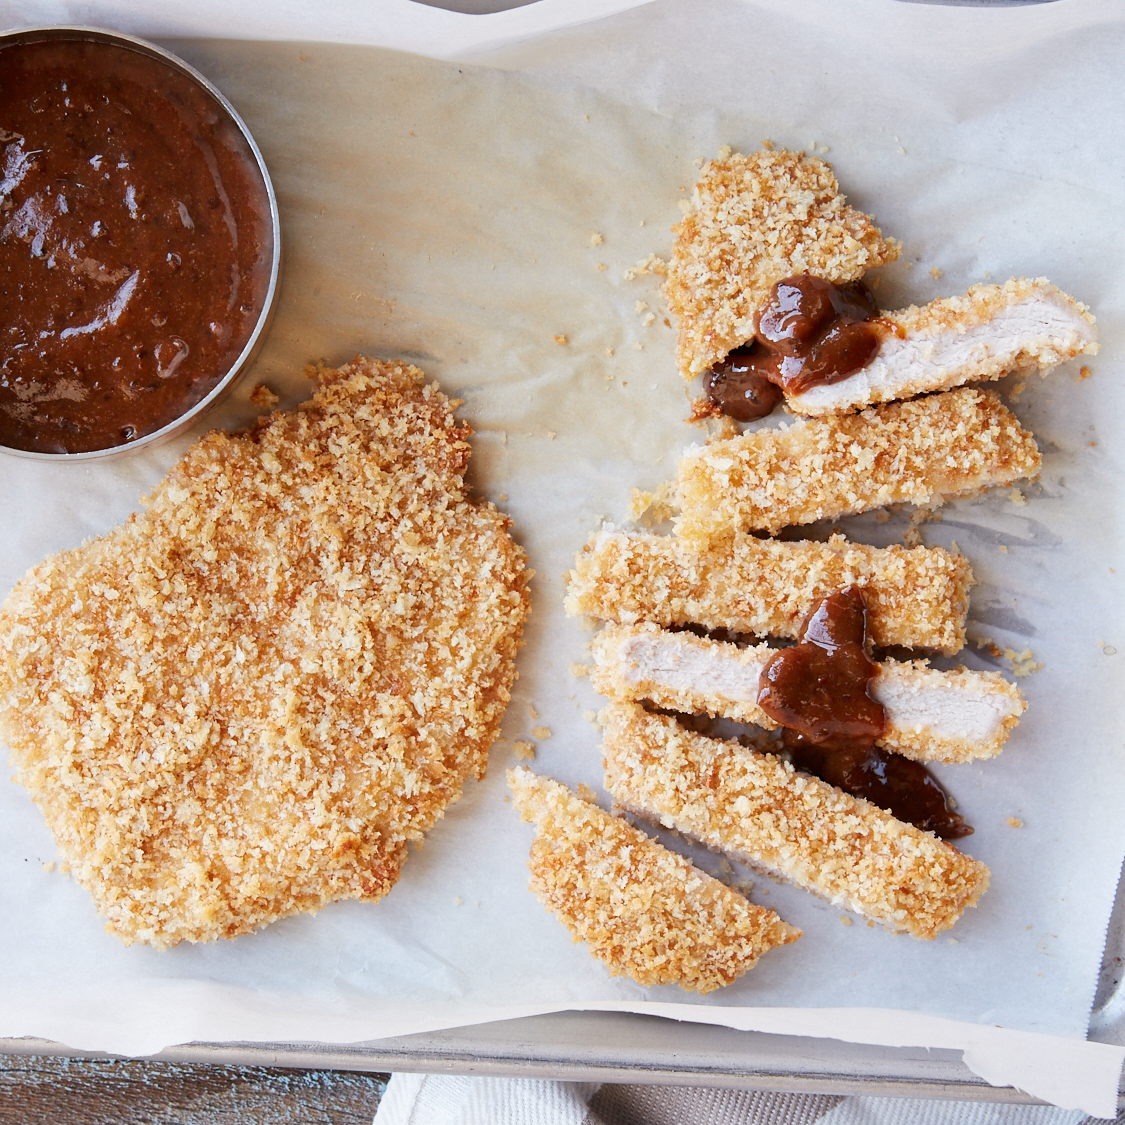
(759, 810)
(920, 452)
(755, 220)
(642, 910)
(245, 701)
(1022, 325)
(932, 716)
(916, 597)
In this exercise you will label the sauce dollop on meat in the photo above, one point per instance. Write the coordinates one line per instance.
(810, 333)
(818, 691)
(135, 245)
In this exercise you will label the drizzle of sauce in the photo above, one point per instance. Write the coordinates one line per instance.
(810, 333)
(818, 691)
(135, 245)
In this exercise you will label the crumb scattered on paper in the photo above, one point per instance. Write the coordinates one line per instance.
(262, 396)
(845, 920)
(650, 265)
(935, 273)
(532, 712)
(1021, 663)
(1015, 822)
(579, 670)
(596, 239)
(525, 751)
(590, 716)
(1084, 373)
(560, 340)
(541, 733)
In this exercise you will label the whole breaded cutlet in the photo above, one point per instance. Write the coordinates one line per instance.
(246, 700)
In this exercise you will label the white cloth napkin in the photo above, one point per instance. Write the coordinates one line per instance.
(429, 1099)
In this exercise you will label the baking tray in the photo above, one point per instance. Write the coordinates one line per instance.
(626, 1047)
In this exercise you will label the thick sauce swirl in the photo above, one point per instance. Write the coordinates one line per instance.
(135, 245)
(810, 333)
(818, 691)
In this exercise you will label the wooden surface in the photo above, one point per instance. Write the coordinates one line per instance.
(57, 1091)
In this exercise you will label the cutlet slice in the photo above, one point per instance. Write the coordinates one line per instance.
(759, 810)
(1020, 326)
(920, 452)
(916, 597)
(932, 716)
(643, 911)
(755, 220)
(245, 701)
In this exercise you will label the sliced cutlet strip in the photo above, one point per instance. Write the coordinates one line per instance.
(1022, 325)
(756, 808)
(920, 452)
(932, 716)
(643, 911)
(917, 597)
(755, 220)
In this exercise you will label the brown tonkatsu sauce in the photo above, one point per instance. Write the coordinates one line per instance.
(810, 333)
(135, 245)
(818, 691)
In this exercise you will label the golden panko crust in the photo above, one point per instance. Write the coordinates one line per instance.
(754, 220)
(758, 809)
(642, 910)
(245, 701)
(920, 452)
(917, 597)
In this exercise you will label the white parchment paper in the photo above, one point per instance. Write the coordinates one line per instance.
(446, 212)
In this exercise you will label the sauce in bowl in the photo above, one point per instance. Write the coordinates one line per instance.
(136, 244)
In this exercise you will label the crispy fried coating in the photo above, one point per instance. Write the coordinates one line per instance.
(917, 597)
(932, 715)
(920, 452)
(643, 911)
(758, 809)
(755, 220)
(245, 701)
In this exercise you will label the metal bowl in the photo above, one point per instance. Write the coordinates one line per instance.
(257, 337)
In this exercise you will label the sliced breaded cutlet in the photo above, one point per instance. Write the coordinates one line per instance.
(921, 452)
(1021, 325)
(755, 220)
(916, 597)
(756, 808)
(932, 716)
(245, 701)
(643, 911)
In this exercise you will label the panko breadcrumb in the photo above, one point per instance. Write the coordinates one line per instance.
(755, 220)
(759, 810)
(916, 597)
(932, 715)
(642, 910)
(920, 452)
(245, 701)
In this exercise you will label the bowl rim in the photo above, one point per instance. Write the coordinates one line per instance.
(48, 32)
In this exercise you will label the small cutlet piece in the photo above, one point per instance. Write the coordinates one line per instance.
(245, 701)
(1021, 325)
(755, 220)
(932, 716)
(643, 911)
(916, 597)
(757, 809)
(921, 452)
